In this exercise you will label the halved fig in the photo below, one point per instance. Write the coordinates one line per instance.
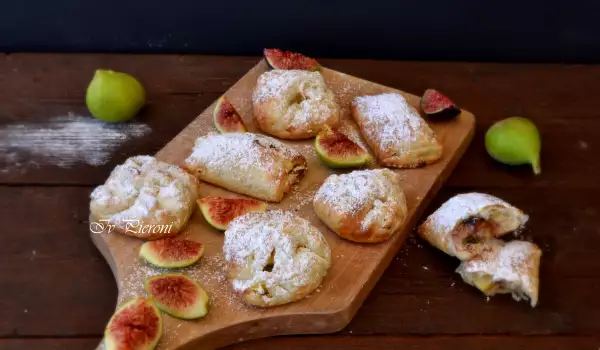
(137, 325)
(337, 150)
(435, 104)
(220, 211)
(178, 295)
(171, 253)
(226, 118)
(279, 59)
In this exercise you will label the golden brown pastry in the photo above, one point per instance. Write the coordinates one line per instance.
(462, 226)
(365, 206)
(246, 163)
(511, 267)
(395, 131)
(275, 257)
(293, 104)
(144, 198)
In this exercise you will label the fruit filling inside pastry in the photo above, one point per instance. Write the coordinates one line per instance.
(471, 233)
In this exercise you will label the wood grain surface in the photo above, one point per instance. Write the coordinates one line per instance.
(355, 268)
(58, 292)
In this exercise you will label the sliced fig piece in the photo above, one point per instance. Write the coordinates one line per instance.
(171, 253)
(178, 295)
(226, 118)
(435, 104)
(137, 325)
(337, 150)
(278, 59)
(220, 211)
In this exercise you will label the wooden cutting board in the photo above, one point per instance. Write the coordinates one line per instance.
(355, 267)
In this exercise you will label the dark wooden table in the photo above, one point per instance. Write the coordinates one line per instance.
(58, 293)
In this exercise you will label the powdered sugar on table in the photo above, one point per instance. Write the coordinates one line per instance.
(66, 140)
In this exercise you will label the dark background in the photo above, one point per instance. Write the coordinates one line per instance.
(566, 31)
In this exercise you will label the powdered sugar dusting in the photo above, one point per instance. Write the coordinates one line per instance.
(210, 272)
(513, 265)
(350, 193)
(464, 206)
(66, 140)
(389, 122)
(148, 191)
(300, 99)
(240, 156)
(296, 251)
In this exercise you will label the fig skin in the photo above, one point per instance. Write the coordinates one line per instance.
(226, 118)
(446, 109)
(280, 59)
(182, 286)
(515, 141)
(229, 209)
(110, 343)
(335, 139)
(150, 251)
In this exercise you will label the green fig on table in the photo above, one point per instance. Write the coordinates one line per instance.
(515, 141)
(114, 97)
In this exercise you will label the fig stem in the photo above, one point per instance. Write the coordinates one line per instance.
(535, 163)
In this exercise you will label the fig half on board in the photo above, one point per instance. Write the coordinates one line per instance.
(279, 59)
(137, 325)
(336, 150)
(220, 211)
(178, 295)
(171, 253)
(226, 118)
(436, 105)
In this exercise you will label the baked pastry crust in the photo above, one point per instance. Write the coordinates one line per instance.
(143, 196)
(275, 257)
(511, 267)
(395, 131)
(464, 224)
(293, 104)
(246, 163)
(366, 206)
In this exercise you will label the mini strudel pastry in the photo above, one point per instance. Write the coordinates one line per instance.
(462, 226)
(511, 267)
(395, 131)
(246, 163)
(366, 206)
(293, 104)
(144, 198)
(275, 257)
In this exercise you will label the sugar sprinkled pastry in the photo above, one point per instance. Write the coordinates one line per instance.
(511, 267)
(275, 257)
(462, 225)
(365, 206)
(246, 163)
(145, 198)
(293, 104)
(395, 131)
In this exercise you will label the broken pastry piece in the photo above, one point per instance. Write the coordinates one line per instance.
(462, 226)
(511, 267)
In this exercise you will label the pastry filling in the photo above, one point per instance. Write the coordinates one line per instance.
(470, 233)
(270, 263)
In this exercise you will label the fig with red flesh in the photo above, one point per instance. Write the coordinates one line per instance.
(279, 59)
(178, 295)
(137, 325)
(336, 150)
(226, 118)
(172, 253)
(435, 104)
(220, 211)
